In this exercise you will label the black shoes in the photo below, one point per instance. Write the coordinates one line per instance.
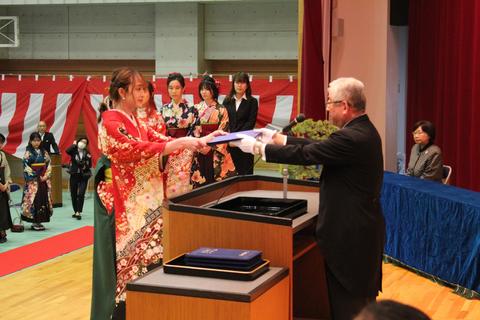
(38, 227)
(3, 239)
(77, 215)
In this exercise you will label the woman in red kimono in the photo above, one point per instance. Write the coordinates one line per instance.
(148, 113)
(135, 152)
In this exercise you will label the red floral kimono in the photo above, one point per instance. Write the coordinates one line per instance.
(137, 192)
(153, 119)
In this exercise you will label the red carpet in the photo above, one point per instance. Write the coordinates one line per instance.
(43, 250)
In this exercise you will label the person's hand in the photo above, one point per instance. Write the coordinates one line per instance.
(205, 150)
(3, 187)
(214, 134)
(43, 178)
(246, 144)
(266, 135)
(194, 144)
(75, 142)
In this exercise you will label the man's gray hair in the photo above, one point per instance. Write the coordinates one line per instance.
(349, 89)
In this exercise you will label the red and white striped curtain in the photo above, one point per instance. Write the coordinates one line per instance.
(24, 101)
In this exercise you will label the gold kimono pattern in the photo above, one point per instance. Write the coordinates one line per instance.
(135, 152)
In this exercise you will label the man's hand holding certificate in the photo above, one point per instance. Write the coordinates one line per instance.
(256, 145)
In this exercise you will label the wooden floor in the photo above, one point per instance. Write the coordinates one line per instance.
(60, 289)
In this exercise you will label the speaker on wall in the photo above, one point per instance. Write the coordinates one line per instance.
(399, 12)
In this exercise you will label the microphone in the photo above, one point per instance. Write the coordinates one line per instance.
(299, 118)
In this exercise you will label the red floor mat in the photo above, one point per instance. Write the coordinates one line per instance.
(43, 250)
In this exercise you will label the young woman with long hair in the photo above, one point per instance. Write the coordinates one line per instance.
(135, 153)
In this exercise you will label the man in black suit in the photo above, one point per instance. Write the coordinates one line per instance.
(48, 140)
(350, 226)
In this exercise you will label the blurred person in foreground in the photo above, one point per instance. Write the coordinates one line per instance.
(390, 310)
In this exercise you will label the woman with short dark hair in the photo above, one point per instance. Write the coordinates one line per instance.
(426, 160)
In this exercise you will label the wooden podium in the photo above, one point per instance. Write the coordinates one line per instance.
(189, 223)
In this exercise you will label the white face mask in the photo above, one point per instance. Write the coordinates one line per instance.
(81, 145)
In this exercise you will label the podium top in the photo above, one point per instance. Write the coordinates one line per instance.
(201, 200)
(157, 281)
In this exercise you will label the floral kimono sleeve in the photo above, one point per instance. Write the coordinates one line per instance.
(48, 162)
(121, 146)
(28, 172)
(156, 136)
(223, 125)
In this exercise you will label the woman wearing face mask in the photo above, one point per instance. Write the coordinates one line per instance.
(80, 164)
(242, 111)
(179, 117)
(37, 202)
(215, 163)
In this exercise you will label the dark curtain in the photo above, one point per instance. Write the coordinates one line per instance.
(444, 81)
(312, 97)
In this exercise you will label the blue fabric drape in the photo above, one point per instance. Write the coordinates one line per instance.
(434, 228)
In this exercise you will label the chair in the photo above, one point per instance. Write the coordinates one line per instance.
(17, 220)
(14, 187)
(446, 173)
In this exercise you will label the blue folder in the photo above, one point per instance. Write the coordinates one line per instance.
(227, 258)
(233, 137)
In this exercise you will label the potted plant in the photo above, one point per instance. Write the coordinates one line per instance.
(313, 130)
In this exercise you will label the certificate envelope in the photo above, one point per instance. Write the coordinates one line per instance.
(233, 137)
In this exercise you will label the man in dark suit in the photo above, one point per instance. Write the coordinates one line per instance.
(350, 226)
(48, 140)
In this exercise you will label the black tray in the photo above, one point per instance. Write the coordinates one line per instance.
(286, 208)
(178, 266)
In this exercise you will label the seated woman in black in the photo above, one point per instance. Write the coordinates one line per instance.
(426, 158)
(81, 162)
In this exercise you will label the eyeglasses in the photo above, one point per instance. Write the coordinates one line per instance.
(417, 133)
(328, 103)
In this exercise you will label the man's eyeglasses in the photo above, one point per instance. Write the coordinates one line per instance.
(332, 102)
